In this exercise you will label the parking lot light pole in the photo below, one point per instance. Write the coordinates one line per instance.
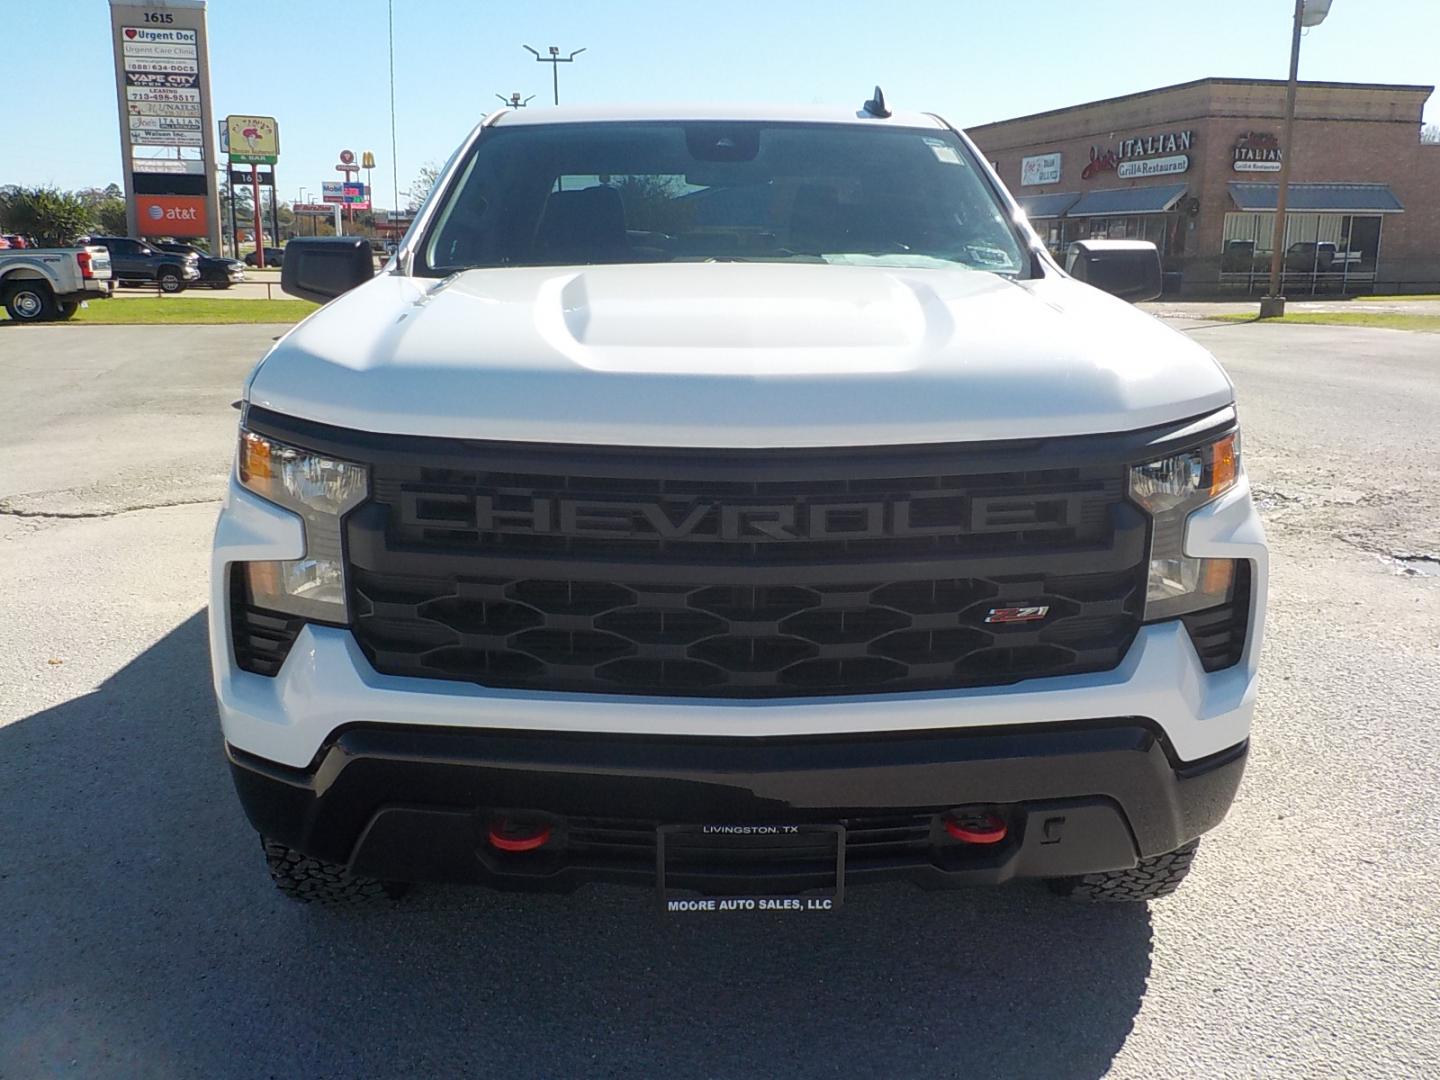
(1307, 13)
(554, 60)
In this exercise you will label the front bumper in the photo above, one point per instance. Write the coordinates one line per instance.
(413, 804)
(326, 682)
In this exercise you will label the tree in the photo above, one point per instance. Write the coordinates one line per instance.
(420, 189)
(49, 216)
(110, 214)
(1430, 133)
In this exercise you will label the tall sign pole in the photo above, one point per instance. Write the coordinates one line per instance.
(255, 141)
(167, 131)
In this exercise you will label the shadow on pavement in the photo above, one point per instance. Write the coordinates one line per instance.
(144, 939)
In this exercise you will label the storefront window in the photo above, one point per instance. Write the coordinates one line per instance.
(1322, 251)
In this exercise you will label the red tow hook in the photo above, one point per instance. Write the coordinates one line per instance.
(975, 828)
(507, 835)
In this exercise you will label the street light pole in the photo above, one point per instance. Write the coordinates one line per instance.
(554, 60)
(514, 100)
(1272, 304)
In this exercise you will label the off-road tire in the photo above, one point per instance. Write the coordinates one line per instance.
(314, 881)
(170, 281)
(1150, 879)
(30, 301)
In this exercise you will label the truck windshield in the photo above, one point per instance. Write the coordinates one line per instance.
(633, 192)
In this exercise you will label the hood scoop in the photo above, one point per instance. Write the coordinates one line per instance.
(728, 323)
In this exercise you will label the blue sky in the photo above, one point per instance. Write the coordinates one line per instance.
(322, 68)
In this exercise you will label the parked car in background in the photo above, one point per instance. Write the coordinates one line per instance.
(40, 284)
(216, 271)
(273, 257)
(137, 262)
(14, 240)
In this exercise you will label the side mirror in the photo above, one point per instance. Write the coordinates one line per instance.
(1129, 269)
(320, 268)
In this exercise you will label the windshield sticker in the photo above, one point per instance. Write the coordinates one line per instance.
(943, 151)
(983, 255)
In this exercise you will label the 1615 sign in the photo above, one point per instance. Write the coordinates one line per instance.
(1257, 151)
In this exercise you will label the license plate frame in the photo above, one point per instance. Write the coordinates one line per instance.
(808, 901)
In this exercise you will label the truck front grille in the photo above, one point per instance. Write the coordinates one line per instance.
(756, 574)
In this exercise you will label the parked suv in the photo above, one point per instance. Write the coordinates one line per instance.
(739, 503)
(216, 271)
(136, 262)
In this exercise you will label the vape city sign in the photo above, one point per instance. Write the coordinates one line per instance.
(1142, 155)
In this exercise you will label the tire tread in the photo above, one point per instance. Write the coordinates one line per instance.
(1150, 879)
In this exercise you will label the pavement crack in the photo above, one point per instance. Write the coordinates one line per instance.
(7, 510)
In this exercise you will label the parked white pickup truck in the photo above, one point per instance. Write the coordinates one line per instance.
(40, 284)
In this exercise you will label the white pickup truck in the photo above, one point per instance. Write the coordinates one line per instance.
(41, 284)
(741, 503)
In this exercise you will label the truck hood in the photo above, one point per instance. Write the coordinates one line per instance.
(735, 355)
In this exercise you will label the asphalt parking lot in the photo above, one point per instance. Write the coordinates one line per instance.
(141, 938)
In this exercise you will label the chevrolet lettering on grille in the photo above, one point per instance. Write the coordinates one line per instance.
(740, 522)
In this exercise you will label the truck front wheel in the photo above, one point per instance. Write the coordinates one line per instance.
(314, 881)
(30, 301)
(1149, 879)
(170, 281)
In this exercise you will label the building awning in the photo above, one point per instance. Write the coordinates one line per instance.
(1137, 200)
(1047, 206)
(1321, 198)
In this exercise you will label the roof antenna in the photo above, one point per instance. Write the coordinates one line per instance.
(876, 105)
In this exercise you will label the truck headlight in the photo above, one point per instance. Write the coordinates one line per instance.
(321, 489)
(1171, 489)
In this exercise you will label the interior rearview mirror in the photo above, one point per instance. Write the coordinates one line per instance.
(320, 268)
(1129, 269)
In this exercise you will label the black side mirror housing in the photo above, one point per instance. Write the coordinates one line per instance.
(1129, 269)
(320, 268)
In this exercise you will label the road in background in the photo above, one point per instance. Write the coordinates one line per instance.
(143, 939)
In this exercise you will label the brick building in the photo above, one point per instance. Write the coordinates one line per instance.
(1193, 167)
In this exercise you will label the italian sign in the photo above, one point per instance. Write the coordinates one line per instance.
(1256, 151)
(253, 140)
(1163, 166)
(1040, 169)
(1136, 157)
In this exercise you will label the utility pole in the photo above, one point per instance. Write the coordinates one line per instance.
(1307, 13)
(514, 100)
(554, 60)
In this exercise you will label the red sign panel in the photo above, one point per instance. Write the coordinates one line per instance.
(171, 215)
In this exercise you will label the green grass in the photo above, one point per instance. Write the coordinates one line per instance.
(187, 311)
(1381, 320)
(1401, 296)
